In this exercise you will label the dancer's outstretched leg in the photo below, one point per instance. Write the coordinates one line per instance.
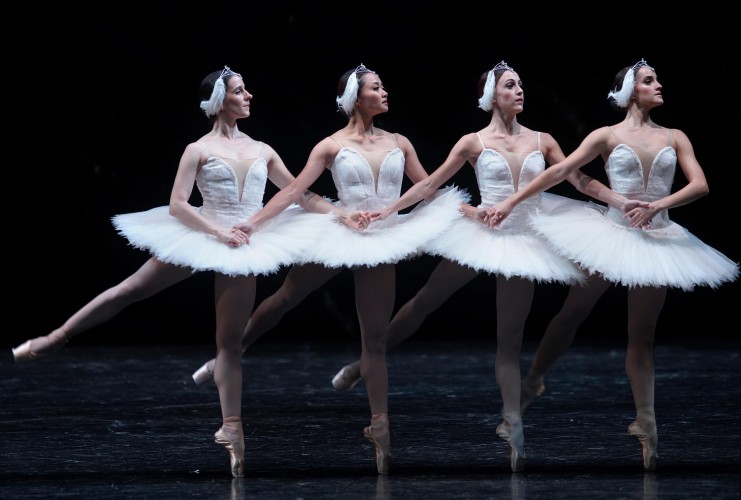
(152, 277)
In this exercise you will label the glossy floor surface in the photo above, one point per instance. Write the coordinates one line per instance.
(128, 422)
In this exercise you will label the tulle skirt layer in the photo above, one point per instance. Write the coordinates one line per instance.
(513, 252)
(337, 245)
(279, 242)
(670, 256)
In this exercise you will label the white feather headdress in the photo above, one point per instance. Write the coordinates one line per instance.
(622, 96)
(213, 105)
(490, 87)
(346, 102)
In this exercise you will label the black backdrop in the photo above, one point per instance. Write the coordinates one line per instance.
(108, 100)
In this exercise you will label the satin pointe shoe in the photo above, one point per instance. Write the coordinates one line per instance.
(511, 431)
(530, 390)
(378, 434)
(347, 378)
(205, 374)
(234, 444)
(649, 441)
(40, 347)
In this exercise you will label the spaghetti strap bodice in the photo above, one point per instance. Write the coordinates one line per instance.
(232, 190)
(641, 174)
(219, 181)
(511, 249)
(360, 186)
(497, 179)
(602, 241)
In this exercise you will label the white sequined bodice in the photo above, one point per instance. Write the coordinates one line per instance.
(219, 184)
(357, 187)
(496, 182)
(628, 178)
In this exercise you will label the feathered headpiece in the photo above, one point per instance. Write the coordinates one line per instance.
(213, 105)
(490, 87)
(346, 102)
(622, 96)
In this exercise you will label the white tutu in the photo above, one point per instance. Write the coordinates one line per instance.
(510, 252)
(387, 241)
(279, 242)
(667, 256)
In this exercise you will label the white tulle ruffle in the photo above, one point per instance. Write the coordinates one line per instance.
(279, 242)
(510, 253)
(337, 245)
(670, 256)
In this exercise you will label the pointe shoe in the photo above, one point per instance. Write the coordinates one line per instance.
(378, 434)
(347, 378)
(511, 431)
(234, 444)
(530, 390)
(649, 441)
(205, 374)
(40, 347)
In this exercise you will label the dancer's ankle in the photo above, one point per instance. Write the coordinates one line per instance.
(646, 417)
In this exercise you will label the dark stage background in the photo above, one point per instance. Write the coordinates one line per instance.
(111, 100)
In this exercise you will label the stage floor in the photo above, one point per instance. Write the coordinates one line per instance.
(128, 422)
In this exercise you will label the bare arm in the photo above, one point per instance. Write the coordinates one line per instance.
(426, 185)
(581, 181)
(297, 191)
(587, 151)
(279, 175)
(586, 184)
(696, 187)
(697, 184)
(182, 188)
(319, 158)
(412, 166)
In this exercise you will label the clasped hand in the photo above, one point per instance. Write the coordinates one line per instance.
(639, 213)
(357, 220)
(494, 215)
(237, 235)
(234, 237)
